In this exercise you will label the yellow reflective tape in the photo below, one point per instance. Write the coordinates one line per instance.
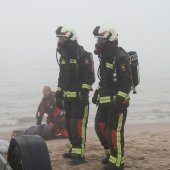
(70, 94)
(73, 61)
(86, 86)
(114, 97)
(76, 151)
(123, 160)
(98, 98)
(117, 161)
(118, 135)
(105, 99)
(127, 98)
(110, 66)
(122, 94)
(62, 62)
(112, 159)
(86, 112)
(58, 88)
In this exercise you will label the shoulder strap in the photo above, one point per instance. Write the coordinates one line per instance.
(118, 50)
(80, 52)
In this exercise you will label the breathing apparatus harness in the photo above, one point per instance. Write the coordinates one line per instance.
(133, 57)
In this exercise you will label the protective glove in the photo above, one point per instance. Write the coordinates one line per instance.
(59, 99)
(95, 96)
(39, 118)
(121, 103)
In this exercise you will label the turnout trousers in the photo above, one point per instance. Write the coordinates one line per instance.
(76, 117)
(109, 126)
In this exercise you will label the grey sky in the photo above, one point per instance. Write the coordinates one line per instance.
(28, 47)
(27, 27)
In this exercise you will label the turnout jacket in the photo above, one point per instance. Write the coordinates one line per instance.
(114, 74)
(76, 74)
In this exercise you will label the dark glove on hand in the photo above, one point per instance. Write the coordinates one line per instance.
(121, 103)
(39, 118)
(95, 96)
(59, 99)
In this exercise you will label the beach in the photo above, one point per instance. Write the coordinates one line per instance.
(30, 58)
(147, 147)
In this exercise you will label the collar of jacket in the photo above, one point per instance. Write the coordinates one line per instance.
(70, 51)
(109, 49)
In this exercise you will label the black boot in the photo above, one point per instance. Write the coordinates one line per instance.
(106, 159)
(67, 154)
(111, 166)
(76, 159)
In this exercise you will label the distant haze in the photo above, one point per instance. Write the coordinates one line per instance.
(28, 46)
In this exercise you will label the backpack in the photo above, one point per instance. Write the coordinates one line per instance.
(81, 52)
(134, 64)
(135, 69)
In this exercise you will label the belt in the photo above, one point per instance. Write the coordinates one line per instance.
(106, 99)
(71, 94)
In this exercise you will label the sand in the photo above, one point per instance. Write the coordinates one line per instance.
(147, 147)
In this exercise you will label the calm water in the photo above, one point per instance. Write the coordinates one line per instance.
(21, 85)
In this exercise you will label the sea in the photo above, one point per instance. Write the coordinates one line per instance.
(22, 80)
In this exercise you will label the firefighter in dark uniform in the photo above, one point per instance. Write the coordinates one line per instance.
(112, 95)
(75, 80)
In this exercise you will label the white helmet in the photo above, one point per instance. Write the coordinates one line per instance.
(66, 31)
(105, 31)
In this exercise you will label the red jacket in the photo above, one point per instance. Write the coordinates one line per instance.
(55, 117)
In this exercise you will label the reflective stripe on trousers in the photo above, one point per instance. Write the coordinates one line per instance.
(81, 151)
(118, 160)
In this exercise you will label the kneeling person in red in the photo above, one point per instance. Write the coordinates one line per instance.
(55, 127)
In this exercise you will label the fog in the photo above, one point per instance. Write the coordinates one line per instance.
(27, 31)
(28, 51)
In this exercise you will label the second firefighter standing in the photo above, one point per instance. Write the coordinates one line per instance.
(75, 81)
(112, 95)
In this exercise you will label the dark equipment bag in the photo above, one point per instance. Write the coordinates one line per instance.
(135, 69)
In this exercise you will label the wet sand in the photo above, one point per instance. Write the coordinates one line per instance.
(147, 147)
